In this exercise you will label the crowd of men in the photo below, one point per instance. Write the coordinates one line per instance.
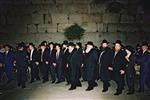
(71, 61)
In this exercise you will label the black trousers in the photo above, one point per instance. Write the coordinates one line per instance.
(120, 84)
(44, 71)
(21, 75)
(130, 81)
(75, 77)
(83, 74)
(53, 72)
(68, 75)
(34, 71)
(106, 84)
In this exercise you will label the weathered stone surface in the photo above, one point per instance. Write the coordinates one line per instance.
(90, 27)
(45, 28)
(127, 28)
(31, 28)
(112, 27)
(37, 19)
(111, 18)
(127, 19)
(62, 27)
(97, 18)
(53, 16)
(96, 8)
(59, 18)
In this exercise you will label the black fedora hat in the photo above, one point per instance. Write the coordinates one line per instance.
(7, 45)
(90, 43)
(71, 44)
(31, 44)
(105, 41)
(21, 45)
(79, 44)
(144, 44)
(118, 42)
(130, 48)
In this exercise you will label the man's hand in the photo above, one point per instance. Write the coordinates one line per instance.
(47, 62)
(110, 68)
(37, 63)
(67, 66)
(1, 65)
(54, 64)
(122, 72)
(82, 66)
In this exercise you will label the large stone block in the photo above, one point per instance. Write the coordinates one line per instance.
(72, 8)
(36, 1)
(17, 2)
(46, 28)
(81, 1)
(97, 18)
(112, 27)
(127, 28)
(26, 19)
(21, 28)
(37, 19)
(31, 28)
(102, 27)
(2, 19)
(63, 26)
(59, 18)
(127, 18)
(64, 1)
(48, 1)
(146, 28)
(90, 27)
(75, 18)
(110, 18)
(96, 8)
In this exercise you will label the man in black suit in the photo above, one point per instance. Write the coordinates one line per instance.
(58, 63)
(144, 61)
(33, 59)
(52, 68)
(90, 64)
(66, 71)
(43, 59)
(74, 62)
(118, 66)
(21, 62)
(130, 70)
(104, 62)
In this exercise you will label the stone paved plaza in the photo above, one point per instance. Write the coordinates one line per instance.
(48, 91)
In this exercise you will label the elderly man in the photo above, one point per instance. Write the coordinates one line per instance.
(90, 64)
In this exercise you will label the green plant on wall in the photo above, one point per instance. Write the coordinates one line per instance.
(74, 32)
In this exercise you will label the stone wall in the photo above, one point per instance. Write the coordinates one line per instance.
(37, 20)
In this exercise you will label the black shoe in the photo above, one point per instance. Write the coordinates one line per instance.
(83, 80)
(118, 93)
(31, 81)
(53, 81)
(19, 84)
(140, 91)
(67, 84)
(44, 81)
(104, 90)
(23, 86)
(95, 85)
(72, 88)
(38, 79)
(58, 82)
(79, 85)
(9, 81)
(130, 93)
(89, 89)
